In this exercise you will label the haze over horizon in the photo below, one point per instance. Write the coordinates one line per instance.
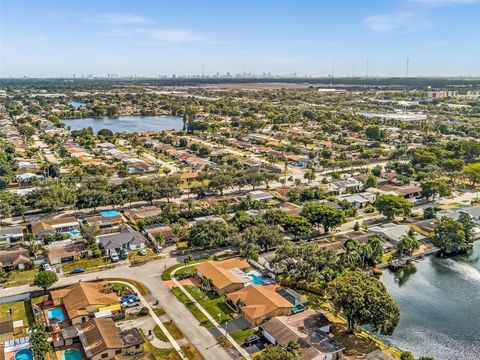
(55, 38)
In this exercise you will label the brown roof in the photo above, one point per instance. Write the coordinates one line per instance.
(78, 296)
(15, 256)
(143, 212)
(260, 300)
(219, 271)
(99, 335)
(304, 328)
(59, 252)
(48, 225)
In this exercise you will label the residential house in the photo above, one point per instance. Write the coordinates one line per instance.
(225, 276)
(343, 186)
(393, 233)
(128, 239)
(10, 235)
(290, 208)
(260, 195)
(310, 329)
(60, 252)
(106, 224)
(67, 224)
(103, 340)
(16, 257)
(143, 213)
(83, 299)
(258, 303)
(152, 230)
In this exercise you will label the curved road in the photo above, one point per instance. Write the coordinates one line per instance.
(149, 274)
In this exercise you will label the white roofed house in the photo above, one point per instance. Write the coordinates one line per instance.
(10, 235)
(343, 186)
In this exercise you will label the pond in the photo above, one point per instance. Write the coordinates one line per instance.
(128, 124)
(77, 104)
(439, 306)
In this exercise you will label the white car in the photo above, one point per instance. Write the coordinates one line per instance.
(47, 267)
(142, 252)
(131, 303)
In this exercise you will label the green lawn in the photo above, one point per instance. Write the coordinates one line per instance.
(134, 256)
(141, 288)
(159, 354)
(87, 264)
(21, 310)
(193, 309)
(17, 278)
(172, 329)
(215, 305)
(240, 335)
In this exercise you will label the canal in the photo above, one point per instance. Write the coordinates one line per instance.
(439, 301)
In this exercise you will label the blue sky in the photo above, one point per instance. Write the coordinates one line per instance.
(48, 38)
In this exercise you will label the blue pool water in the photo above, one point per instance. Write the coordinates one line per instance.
(72, 354)
(109, 213)
(74, 233)
(56, 313)
(256, 280)
(25, 354)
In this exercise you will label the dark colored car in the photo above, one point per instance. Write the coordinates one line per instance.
(77, 271)
(252, 339)
(123, 254)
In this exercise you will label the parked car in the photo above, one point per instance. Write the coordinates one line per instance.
(47, 267)
(184, 276)
(114, 256)
(125, 298)
(252, 339)
(131, 303)
(123, 254)
(77, 271)
(142, 252)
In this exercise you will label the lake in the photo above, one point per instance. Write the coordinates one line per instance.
(439, 303)
(128, 124)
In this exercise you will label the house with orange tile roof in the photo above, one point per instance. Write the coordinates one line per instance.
(82, 300)
(226, 275)
(258, 303)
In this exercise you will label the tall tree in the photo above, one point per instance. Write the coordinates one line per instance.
(364, 300)
(327, 216)
(391, 205)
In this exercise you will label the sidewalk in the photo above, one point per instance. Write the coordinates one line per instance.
(242, 351)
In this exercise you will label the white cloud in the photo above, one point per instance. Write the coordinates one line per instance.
(403, 21)
(118, 19)
(171, 36)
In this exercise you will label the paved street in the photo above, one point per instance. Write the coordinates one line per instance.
(149, 274)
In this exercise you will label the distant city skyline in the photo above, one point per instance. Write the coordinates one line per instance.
(55, 38)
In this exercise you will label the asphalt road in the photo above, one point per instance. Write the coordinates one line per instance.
(150, 275)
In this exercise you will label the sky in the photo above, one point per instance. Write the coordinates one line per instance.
(59, 38)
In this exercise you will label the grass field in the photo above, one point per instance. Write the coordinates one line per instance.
(17, 278)
(87, 264)
(142, 288)
(240, 335)
(211, 302)
(172, 329)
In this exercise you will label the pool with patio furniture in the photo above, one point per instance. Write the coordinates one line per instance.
(109, 213)
(72, 354)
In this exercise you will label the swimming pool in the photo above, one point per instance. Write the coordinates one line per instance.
(256, 280)
(24, 354)
(72, 354)
(56, 314)
(74, 233)
(109, 213)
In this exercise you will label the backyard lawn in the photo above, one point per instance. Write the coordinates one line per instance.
(134, 256)
(21, 310)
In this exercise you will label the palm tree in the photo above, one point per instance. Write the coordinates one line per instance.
(293, 348)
